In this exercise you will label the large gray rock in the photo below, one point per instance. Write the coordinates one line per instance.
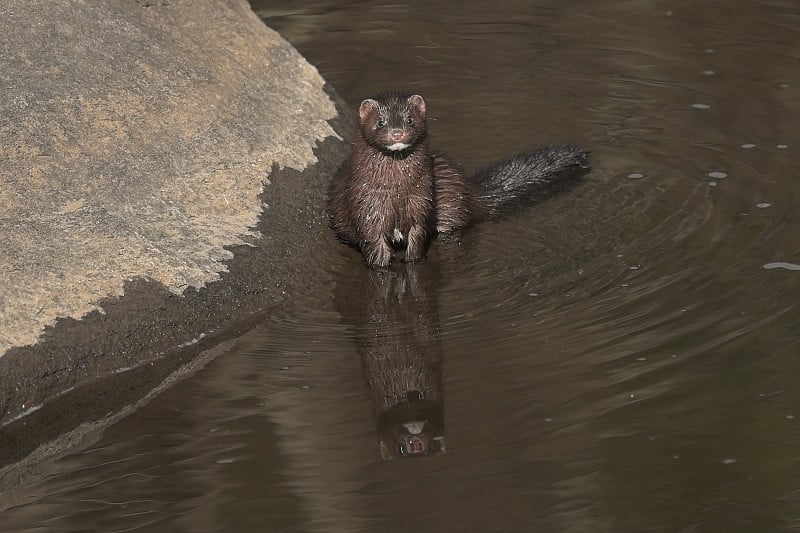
(136, 143)
(135, 140)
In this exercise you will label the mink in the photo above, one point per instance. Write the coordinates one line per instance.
(393, 194)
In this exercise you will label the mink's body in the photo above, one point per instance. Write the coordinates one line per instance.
(393, 194)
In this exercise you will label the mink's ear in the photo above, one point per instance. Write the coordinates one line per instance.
(418, 102)
(366, 108)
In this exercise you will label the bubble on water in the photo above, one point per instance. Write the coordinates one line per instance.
(548, 419)
(783, 85)
(533, 294)
(789, 417)
(700, 106)
(634, 267)
(781, 264)
(717, 174)
(748, 145)
(709, 72)
(781, 146)
(641, 359)
(712, 184)
(709, 50)
(763, 205)
(224, 461)
(728, 461)
(635, 175)
(624, 284)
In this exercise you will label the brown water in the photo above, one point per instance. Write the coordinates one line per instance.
(623, 357)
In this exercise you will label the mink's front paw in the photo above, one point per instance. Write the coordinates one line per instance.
(377, 254)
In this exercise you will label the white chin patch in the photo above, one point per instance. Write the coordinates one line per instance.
(397, 236)
(398, 146)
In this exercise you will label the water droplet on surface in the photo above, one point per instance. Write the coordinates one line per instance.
(781, 146)
(701, 106)
(763, 205)
(748, 145)
(728, 461)
(717, 174)
(635, 176)
(708, 72)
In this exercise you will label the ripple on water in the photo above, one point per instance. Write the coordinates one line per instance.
(781, 264)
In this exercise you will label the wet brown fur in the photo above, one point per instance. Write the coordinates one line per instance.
(392, 194)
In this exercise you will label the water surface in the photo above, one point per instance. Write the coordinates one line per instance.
(622, 357)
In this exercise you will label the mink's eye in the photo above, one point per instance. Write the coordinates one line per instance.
(409, 121)
(381, 123)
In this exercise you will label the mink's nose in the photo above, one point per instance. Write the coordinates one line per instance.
(397, 134)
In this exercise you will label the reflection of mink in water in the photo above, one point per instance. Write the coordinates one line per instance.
(393, 193)
(394, 315)
(403, 365)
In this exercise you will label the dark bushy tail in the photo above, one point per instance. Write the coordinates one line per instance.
(527, 178)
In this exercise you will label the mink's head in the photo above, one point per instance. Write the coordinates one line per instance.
(392, 122)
